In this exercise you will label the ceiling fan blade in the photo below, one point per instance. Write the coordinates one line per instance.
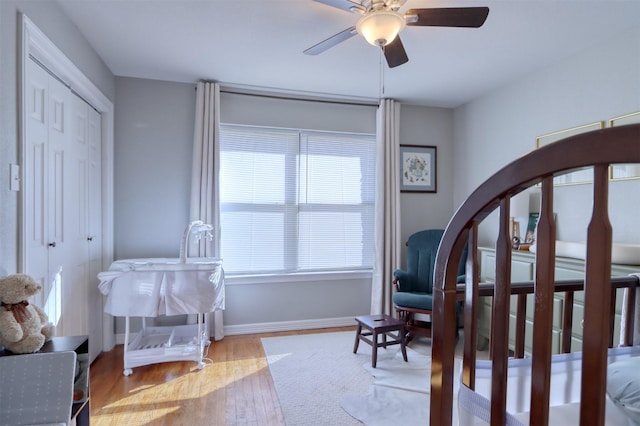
(468, 17)
(394, 53)
(348, 5)
(331, 41)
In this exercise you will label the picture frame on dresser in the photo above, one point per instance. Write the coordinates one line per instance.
(624, 171)
(418, 168)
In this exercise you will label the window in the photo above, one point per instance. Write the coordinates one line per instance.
(295, 201)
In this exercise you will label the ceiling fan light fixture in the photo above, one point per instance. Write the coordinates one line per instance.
(380, 28)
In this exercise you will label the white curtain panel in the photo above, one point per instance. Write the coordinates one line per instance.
(205, 200)
(387, 237)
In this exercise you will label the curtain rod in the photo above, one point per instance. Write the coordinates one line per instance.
(310, 97)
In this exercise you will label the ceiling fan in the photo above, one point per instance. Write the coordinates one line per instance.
(381, 23)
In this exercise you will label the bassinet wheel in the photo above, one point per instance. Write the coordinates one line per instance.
(127, 372)
(201, 365)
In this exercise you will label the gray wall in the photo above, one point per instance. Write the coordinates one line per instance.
(493, 130)
(49, 18)
(428, 126)
(256, 110)
(154, 131)
(152, 166)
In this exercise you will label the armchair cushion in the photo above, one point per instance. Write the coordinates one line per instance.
(422, 301)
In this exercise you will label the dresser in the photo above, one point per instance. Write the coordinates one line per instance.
(523, 269)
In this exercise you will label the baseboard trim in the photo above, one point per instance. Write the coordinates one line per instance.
(270, 327)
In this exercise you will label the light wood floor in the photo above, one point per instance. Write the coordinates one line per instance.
(235, 388)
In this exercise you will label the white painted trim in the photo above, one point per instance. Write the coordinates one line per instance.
(302, 278)
(270, 327)
(35, 43)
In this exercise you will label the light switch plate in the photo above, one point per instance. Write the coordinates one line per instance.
(14, 178)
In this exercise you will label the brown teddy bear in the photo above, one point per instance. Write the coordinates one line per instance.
(23, 325)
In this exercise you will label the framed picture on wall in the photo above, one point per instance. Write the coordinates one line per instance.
(579, 176)
(624, 171)
(418, 168)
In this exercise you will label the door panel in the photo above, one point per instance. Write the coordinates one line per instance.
(76, 254)
(35, 152)
(55, 185)
(95, 302)
(37, 163)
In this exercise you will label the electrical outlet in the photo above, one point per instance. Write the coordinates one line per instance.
(14, 177)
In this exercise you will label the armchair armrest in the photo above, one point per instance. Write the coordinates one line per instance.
(400, 276)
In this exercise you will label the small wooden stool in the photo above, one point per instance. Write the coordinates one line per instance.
(380, 325)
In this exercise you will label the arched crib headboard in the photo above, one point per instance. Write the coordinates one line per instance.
(598, 149)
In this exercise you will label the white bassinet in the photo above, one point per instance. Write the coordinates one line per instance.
(153, 287)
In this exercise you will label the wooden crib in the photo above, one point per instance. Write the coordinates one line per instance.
(599, 150)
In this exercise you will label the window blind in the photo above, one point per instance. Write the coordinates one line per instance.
(295, 201)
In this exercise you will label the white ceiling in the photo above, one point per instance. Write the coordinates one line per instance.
(259, 44)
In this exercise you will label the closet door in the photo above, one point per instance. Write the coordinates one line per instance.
(95, 303)
(84, 243)
(76, 219)
(62, 205)
(46, 114)
(35, 159)
(55, 188)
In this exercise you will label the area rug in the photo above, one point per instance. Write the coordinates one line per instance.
(311, 374)
(320, 381)
(400, 392)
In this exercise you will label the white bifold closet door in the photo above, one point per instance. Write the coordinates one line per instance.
(62, 205)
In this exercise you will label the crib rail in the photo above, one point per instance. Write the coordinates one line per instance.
(568, 288)
(598, 149)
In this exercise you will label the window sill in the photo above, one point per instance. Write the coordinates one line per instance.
(297, 277)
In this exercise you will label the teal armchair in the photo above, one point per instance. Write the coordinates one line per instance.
(414, 287)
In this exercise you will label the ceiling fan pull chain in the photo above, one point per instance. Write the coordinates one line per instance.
(381, 75)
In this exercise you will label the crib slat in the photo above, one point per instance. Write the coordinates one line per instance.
(630, 317)
(471, 310)
(612, 315)
(567, 321)
(444, 335)
(543, 308)
(596, 304)
(491, 329)
(500, 318)
(521, 316)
